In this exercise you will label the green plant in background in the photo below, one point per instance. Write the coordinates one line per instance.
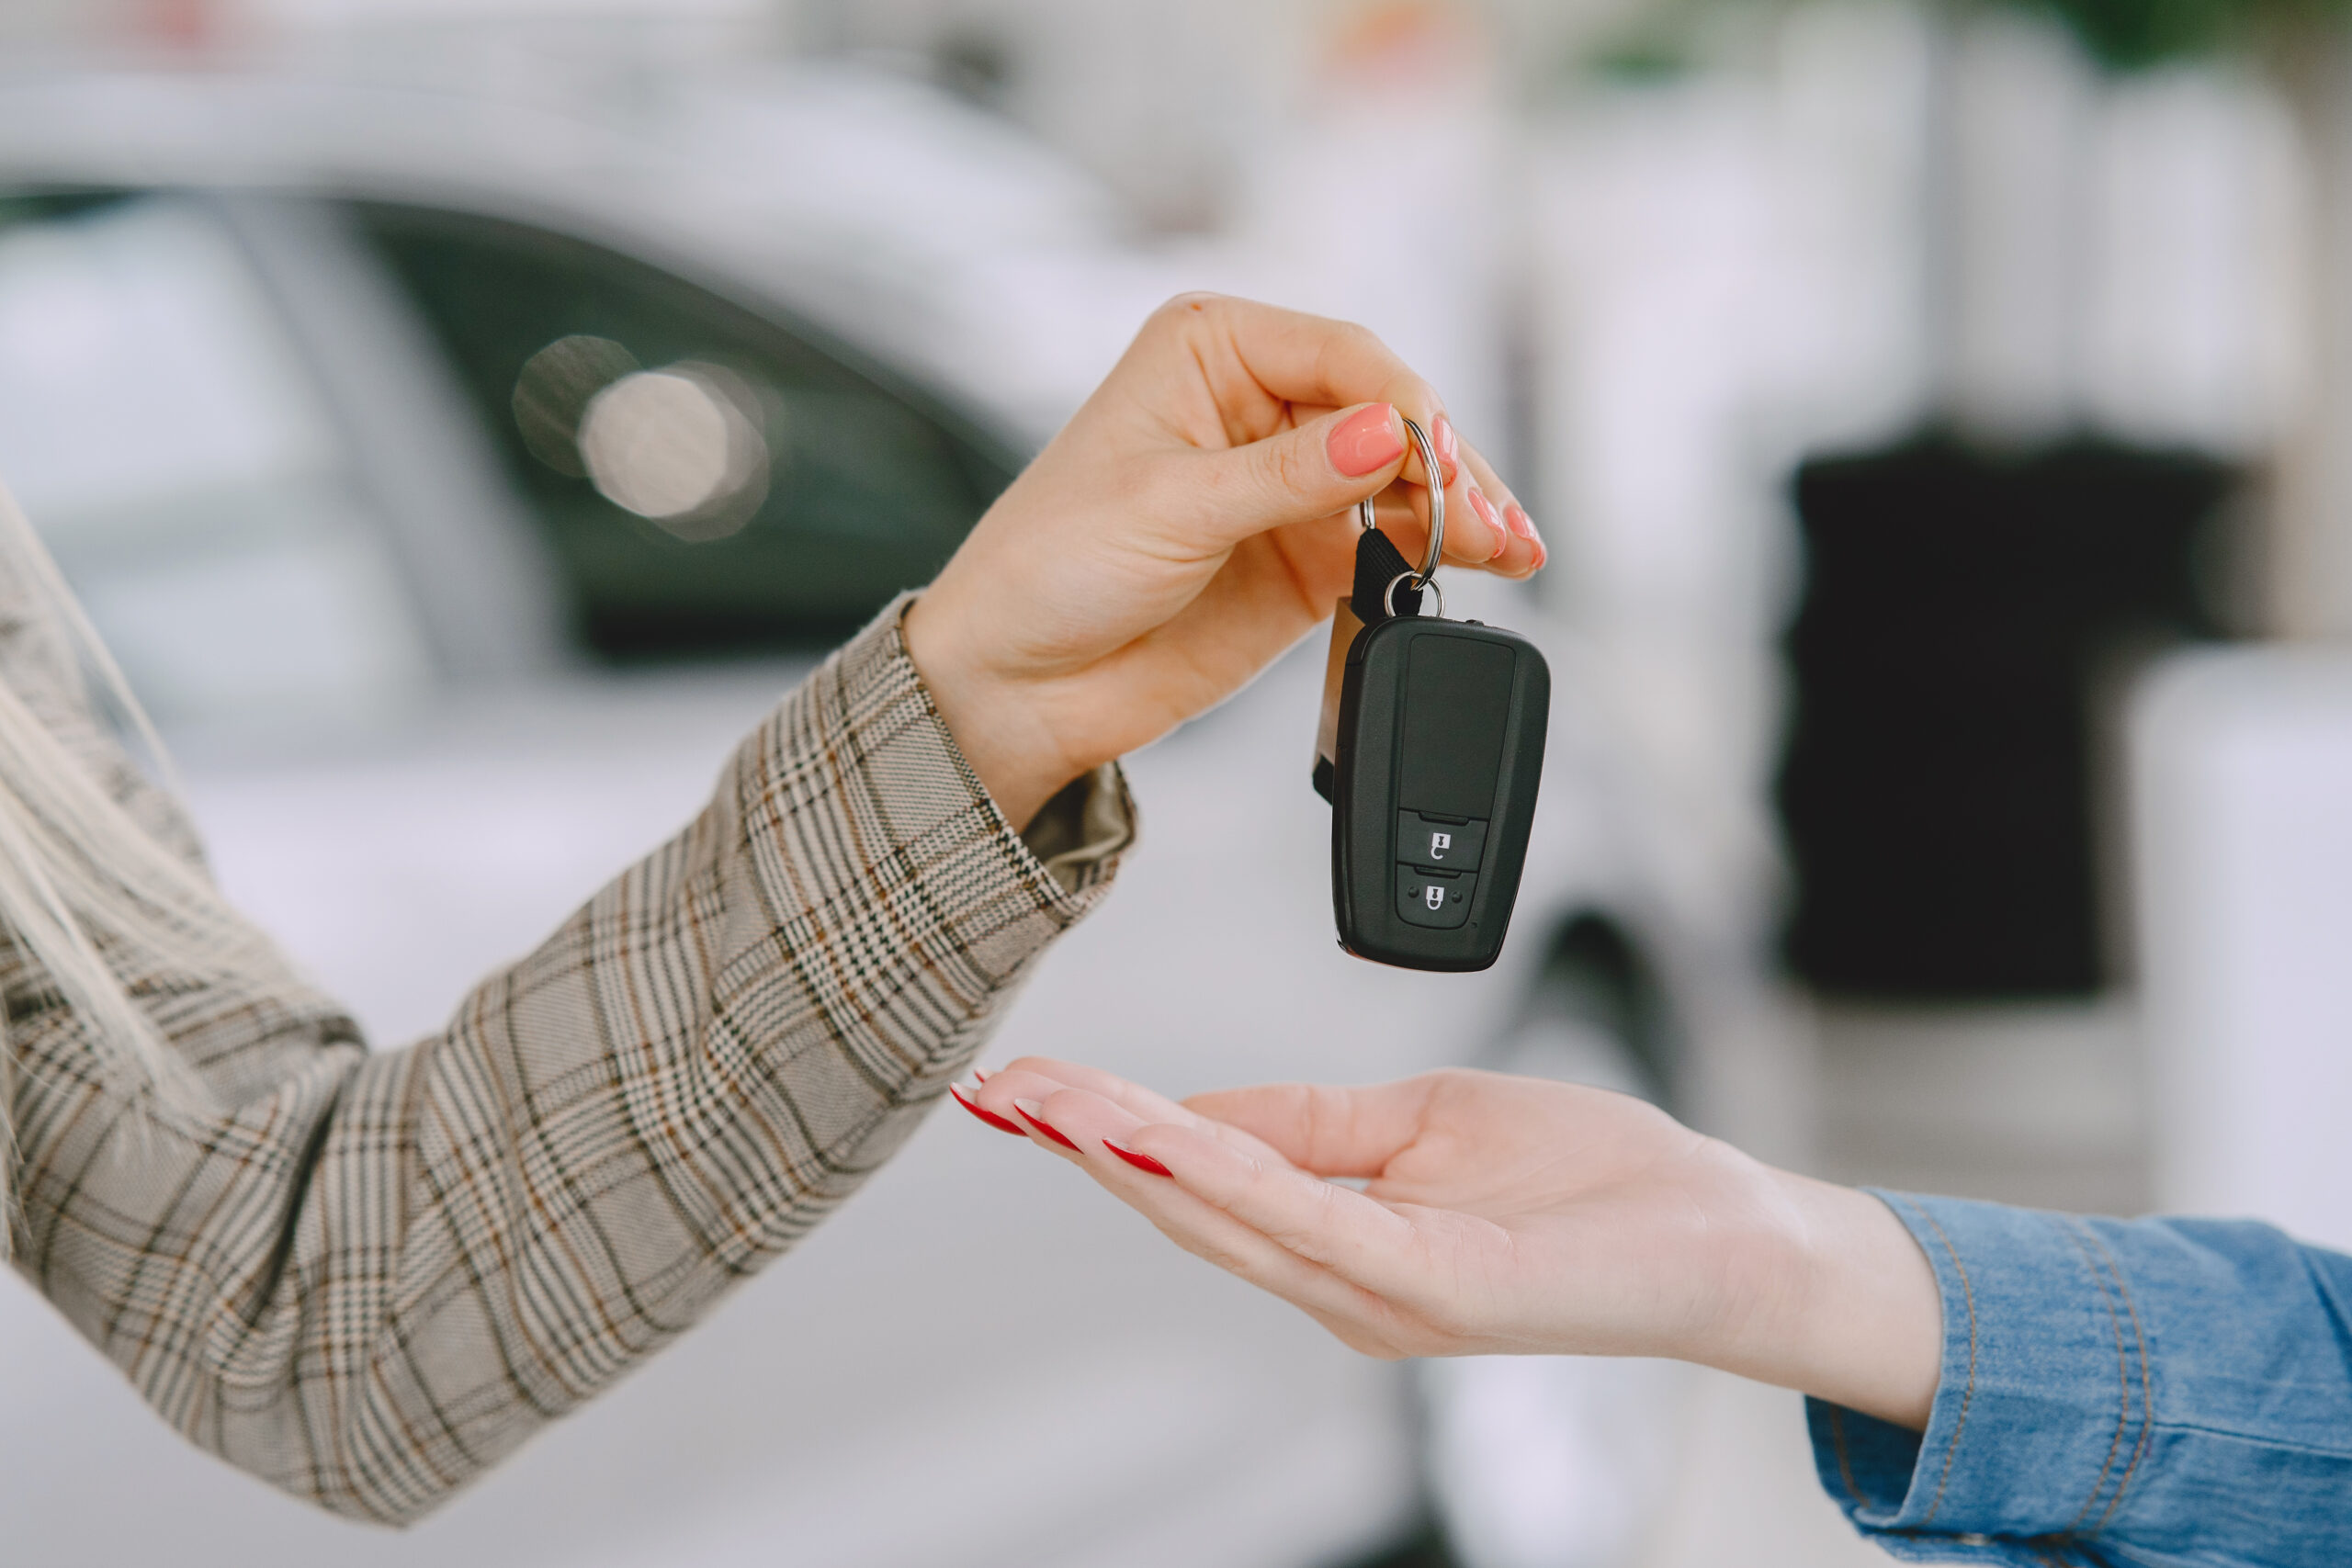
(2126, 35)
(1657, 39)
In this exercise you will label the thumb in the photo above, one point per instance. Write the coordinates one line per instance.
(1300, 475)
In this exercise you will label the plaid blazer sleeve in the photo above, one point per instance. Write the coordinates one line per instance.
(366, 1277)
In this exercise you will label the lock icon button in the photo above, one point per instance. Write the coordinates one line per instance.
(1440, 900)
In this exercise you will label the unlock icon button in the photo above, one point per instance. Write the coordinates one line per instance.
(1440, 846)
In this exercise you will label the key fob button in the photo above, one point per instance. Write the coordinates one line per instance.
(1439, 901)
(1440, 846)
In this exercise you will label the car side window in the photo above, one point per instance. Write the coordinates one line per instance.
(161, 427)
(711, 478)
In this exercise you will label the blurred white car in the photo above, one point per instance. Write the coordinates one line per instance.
(458, 478)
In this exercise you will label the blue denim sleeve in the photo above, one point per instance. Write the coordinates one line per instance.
(2120, 1393)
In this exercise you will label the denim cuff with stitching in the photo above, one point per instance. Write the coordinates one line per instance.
(2125, 1393)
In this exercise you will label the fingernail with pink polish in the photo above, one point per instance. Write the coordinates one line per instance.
(1366, 442)
(1449, 447)
(1141, 1162)
(1521, 522)
(1486, 514)
(1029, 1109)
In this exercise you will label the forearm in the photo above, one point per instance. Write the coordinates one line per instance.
(365, 1280)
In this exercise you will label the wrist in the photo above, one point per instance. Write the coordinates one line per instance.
(1864, 1328)
(1825, 1292)
(1002, 736)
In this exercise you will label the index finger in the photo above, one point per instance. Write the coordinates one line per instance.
(1300, 358)
(1326, 1128)
(1045, 1075)
(1129, 1097)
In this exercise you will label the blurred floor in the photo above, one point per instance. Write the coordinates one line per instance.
(1746, 1496)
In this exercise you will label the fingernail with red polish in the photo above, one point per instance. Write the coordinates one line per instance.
(1449, 447)
(1521, 522)
(1029, 1109)
(1141, 1162)
(991, 1117)
(1366, 441)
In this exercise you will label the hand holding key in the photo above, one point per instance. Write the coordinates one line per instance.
(1193, 520)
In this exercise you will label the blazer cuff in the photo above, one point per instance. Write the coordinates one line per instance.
(1079, 834)
(991, 878)
(2042, 1414)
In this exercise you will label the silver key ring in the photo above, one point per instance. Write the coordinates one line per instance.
(1427, 576)
(1426, 585)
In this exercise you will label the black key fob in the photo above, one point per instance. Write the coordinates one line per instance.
(1432, 754)
(1440, 752)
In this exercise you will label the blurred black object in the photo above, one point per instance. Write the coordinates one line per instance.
(1963, 614)
(1425, 1548)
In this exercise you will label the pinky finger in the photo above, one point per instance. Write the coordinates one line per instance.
(1352, 1314)
(1362, 1241)
(1524, 551)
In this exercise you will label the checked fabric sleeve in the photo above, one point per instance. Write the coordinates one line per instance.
(366, 1277)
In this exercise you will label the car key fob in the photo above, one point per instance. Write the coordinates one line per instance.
(1434, 755)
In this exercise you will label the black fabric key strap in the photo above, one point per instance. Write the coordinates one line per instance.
(1378, 564)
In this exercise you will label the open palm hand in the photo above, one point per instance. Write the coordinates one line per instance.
(1496, 1214)
(1460, 1212)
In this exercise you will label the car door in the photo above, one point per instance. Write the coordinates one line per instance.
(160, 423)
